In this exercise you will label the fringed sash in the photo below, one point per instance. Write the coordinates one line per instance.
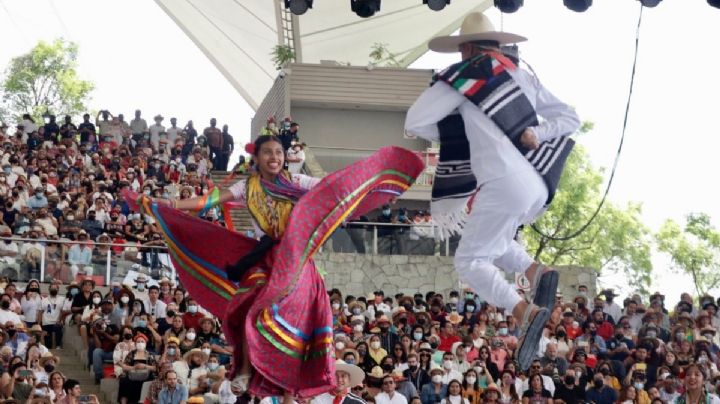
(271, 203)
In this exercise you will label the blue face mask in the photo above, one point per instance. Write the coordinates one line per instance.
(73, 292)
(350, 361)
(171, 351)
(142, 323)
(386, 212)
(417, 336)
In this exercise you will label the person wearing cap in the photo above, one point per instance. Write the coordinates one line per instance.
(347, 376)
(498, 139)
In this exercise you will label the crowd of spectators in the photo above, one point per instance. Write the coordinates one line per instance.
(62, 181)
(421, 349)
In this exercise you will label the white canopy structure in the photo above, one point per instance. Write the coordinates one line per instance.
(239, 35)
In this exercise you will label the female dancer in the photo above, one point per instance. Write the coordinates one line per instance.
(278, 317)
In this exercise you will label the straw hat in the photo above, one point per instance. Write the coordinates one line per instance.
(454, 317)
(383, 319)
(47, 356)
(357, 303)
(492, 386)
(196, 400)
(475, 27)
(397, 374)
(199, 351)
(356, 374)
(435, 368)
(377, 373)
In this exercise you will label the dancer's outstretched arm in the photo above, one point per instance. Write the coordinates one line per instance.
(212, 198)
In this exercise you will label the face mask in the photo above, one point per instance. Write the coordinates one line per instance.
(386, 212)
(362, 352)
(73, 292)
(639, 385)
(605, 371)
(213, 366)
(356, 311)
(190, 336)
(192, 309)
(141, 287)
(358, 328)
(560, 334)
(413, 368)
(433, 345)
(651, 334)
(680, 335)
(146, 192)
(140, 346)
(96, 300)
(470, 309)
(447, 364)
(437, 379)
(417, 336)
(49, 368)
(593, 333)
(206, 351)
(503, 331)
(375, 345)
(454, 300)
(5, 305)
(171, 351)
(335, 306)
(127, 337)
(170, 313)
(142, 324)
(471, 380)
(53, 292)
(71, 217)
(339, 345)
(125, 299)
(11, 333)
(597, 383)
(388, 367)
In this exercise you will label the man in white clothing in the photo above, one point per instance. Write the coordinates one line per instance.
(389, 395)
(501, 139)
(347, 376)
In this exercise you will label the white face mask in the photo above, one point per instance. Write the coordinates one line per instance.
(96, 300)
(190, 336)
(447, 365)
(454, 300)
(192, 309)
(375, 345)
(358, 328)
(335, 306)
(339, 345)
(470, 379)
(140, 346)
(124, 299)
(437, 379)
(206, 351)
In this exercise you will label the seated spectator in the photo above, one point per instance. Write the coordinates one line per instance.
(73, 392)
(192, 371)
(139, 367)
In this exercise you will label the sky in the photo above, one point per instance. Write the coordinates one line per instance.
(139, 58)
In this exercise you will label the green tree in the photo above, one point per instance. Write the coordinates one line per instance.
(616, 240)
(45, 80)
(694, 250)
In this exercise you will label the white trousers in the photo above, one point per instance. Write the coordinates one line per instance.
(487, 242)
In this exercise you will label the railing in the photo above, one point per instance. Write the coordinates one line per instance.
(67, 261)
(390, 239)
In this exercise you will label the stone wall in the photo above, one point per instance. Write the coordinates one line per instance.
(359, 274)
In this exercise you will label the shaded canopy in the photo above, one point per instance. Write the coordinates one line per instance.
(239, 35)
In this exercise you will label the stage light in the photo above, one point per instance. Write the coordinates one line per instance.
(298, 7)
(365, 8)
(578, 5)
(508, 6)
(650, 3)
(436, 5)
(714, 3)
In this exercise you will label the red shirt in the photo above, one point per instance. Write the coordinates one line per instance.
(446, 343)
(605, 330)
(192, 320)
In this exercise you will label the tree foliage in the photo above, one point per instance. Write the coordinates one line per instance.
(694, 250)
(45, 80)
(616, 240)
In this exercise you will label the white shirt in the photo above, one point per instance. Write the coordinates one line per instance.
(452, 375)
(52, 307)
(384, 398)
(157, 310)
(155, 134)
(296, 167)
(613, 310)
(7, 315)
(492, 154)
(547, 384)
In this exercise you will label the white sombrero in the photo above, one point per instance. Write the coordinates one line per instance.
(356, 374)
(475, 27)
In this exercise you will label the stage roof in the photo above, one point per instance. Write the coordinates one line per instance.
(239, 35)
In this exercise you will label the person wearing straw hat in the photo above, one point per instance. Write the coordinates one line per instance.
(192, 370)
(497, 143)
(436, 390)
(348, 376)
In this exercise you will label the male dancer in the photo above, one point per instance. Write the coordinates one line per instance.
(497, 144)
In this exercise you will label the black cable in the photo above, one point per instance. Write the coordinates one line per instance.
(619, 150)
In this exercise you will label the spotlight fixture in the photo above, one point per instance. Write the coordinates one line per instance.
(436, 5)
(650, 3)
(508, 6)
(298, 7)
(714, 3)
(578, 5)
(365, 8)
